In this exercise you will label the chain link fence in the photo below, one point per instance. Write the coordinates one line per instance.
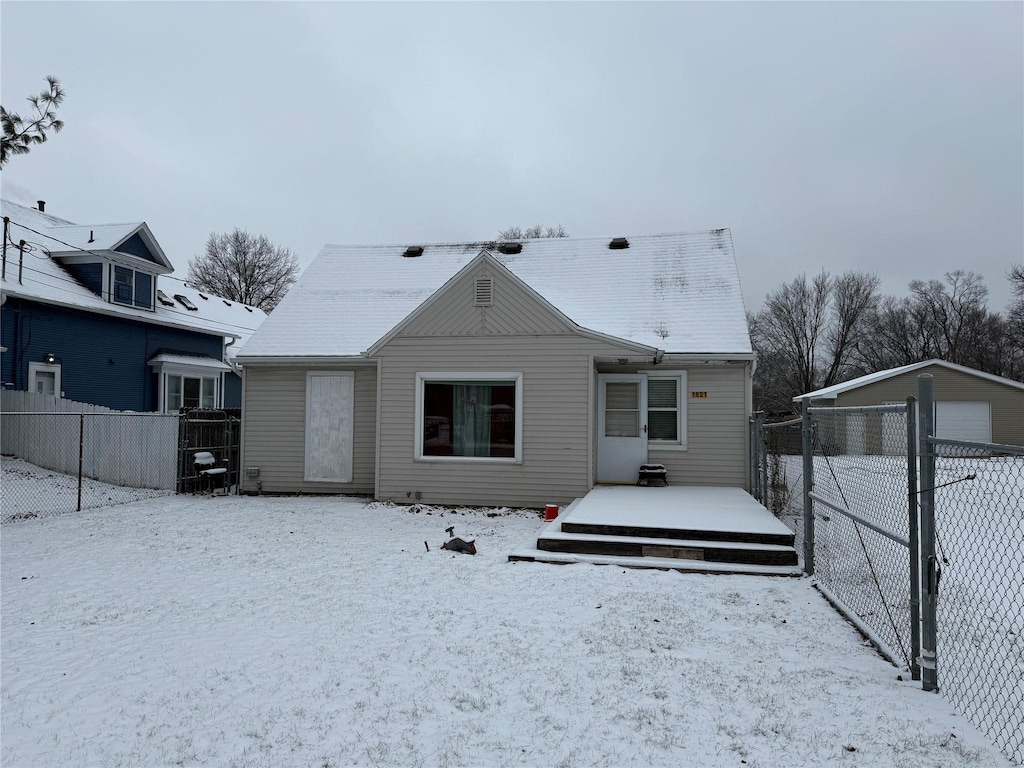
(979, 528)
(55, 462)
(863, 558)
(918, 540)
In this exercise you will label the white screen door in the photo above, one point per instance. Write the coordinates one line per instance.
(329, 416)
(622, 427)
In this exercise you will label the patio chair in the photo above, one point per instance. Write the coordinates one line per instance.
(213, 477)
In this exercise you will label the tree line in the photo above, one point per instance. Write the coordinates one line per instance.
(817, 331)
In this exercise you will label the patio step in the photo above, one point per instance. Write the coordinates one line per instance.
(697, 548)
(634, 531)
(655, 563)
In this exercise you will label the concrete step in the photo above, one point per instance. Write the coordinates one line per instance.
(634, 531)
(655, 563)
(698, 548)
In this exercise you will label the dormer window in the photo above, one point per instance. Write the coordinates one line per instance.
(124, 285)
(130, 287)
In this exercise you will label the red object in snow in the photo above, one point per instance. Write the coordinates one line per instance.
(550, 512)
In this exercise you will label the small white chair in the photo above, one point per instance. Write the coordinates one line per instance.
(206, 468)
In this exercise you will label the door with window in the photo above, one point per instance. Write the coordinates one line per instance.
(622, 427)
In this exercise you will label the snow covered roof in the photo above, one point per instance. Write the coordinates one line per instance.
(189, 360)
(676, 292)
(829, 393)
(44, 280)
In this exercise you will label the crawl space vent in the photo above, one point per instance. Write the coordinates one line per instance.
(618, 243)
(484, 292)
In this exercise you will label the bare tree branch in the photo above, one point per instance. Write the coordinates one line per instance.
(532, 233)
(244, 268)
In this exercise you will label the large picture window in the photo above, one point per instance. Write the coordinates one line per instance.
(469, 416)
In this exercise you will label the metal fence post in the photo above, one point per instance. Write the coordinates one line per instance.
(751, 462)
(807, 433)
(762, 445)
(928, 565)
(81, 455)
(915, 572)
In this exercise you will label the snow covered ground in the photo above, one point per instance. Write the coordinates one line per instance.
(321, 631)
(30, 491)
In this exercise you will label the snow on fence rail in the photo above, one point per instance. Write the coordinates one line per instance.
(122, 448)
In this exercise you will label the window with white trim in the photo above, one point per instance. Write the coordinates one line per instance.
(190, 391)
(131, 287)
(666, 410)
(469, 416)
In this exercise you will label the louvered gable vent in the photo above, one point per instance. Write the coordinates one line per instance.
(484, 292)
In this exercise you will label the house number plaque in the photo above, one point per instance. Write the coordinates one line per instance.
(698, 394)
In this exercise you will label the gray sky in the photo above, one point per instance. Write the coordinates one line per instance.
(875, 136)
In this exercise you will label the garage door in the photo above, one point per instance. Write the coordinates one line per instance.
(963, 421)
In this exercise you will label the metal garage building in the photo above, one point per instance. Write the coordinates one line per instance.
(969, 404)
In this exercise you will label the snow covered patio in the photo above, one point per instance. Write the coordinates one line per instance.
(257, 631)
(703, 529)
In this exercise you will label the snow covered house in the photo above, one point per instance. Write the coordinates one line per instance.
(502, 373)
(968, 404)
(90, 313)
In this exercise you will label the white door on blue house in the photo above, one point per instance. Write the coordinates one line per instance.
(621, 427)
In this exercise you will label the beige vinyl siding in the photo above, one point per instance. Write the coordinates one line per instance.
(1007, 403)
(274, 430)
(716, 430)
(514, 311)
(557, 375)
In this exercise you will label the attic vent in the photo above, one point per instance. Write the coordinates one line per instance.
(162, 298)
(484, 292)
(412, 251)
(184, 301)
(510, 247)
(226, 302)
(618, 243)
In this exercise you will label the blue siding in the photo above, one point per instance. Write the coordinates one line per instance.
(89, 275)
(232, 390)
(143, 290)
(103, 359)
(134, 246)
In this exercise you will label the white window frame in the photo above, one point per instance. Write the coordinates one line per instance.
(191, 372)
(345, 475)
(36, 368)
(109, 286)
(681, 399)
(452, 377)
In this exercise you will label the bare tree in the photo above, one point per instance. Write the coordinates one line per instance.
(946, 320)
(807, 332)
(245, 268)
(20, 135)
(532, 233)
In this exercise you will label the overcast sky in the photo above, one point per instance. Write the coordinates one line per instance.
(874, 136)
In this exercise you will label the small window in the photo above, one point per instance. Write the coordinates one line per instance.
(124, 285)
(663, 409)
(469, 416)
(666, 410)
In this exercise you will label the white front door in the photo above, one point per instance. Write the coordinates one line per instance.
(621, 427)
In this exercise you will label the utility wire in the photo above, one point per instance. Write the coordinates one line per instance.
(72, 281)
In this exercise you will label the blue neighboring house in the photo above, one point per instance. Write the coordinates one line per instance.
(90, 313)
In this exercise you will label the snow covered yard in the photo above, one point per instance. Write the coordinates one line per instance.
(320, 631)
